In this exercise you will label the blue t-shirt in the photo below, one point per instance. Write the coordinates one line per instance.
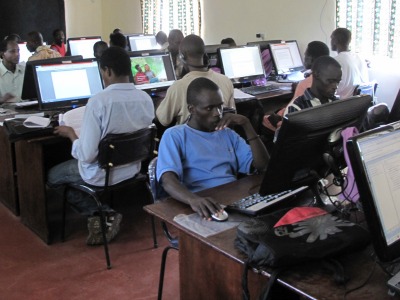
(203, 159)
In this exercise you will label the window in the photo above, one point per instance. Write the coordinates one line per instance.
(166, 15)
(375, 26)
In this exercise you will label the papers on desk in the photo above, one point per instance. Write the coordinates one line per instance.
(73, 118)
(36, 122)
(239, 95)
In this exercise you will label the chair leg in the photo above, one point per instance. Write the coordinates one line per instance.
(153, 228)
(103, 233)
(162, 270)
(64, 207)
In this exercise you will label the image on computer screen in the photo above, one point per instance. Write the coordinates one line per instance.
(287, 59)
(152, 71)
(83, 45)
(67, 85)
(142, 42)
(242, 64)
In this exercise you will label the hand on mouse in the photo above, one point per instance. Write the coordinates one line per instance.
(205, 206)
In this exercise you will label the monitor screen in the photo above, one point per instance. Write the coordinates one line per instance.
(263, 44)
(142, 42)
(241, 64)
(67, 85)
(152, 71)
(297, 157)
(286, 58)
(375, 159)
(24, 53)
(82, 45)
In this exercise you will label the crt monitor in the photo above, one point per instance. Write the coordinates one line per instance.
(82, 45)
(241, 64)
(152, 71)
(287, 59)
(142, 42)
(297, 157)
(28, 87)
(63, 86)
(375, 160)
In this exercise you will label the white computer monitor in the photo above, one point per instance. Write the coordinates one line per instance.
(82, 45)
(142, 42)
(287, 59)
(24, 53)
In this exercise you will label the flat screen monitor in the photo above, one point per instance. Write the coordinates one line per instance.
(375, 159)
(152, 71)
(66, 85)
(263, 44)
(24, 53)
(142, 42)
(241, 64)
(297, 157)
(82, 45)
(287, 59)
(212, 53)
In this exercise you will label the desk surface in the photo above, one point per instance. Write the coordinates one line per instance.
(312, 282)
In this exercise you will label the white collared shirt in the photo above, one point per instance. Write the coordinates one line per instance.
(12, 82)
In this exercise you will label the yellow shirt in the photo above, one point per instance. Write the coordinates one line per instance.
(44, 52)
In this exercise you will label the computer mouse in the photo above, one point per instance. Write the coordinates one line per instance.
(220, 216)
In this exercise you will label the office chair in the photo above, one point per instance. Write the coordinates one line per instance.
(377, 115)
(368, 88)
(116, 150)
(157, 193)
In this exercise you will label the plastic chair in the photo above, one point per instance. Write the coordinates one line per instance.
(157, 193)
(377, 115)
(116, 150)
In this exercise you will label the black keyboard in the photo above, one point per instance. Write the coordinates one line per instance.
(255, 204)
(260, 89)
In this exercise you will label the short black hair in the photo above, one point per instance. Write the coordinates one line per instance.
(228, 41)
(4, 44)
(316, 49)
(323, 62)
(117, 59)
(342, 35)
(118, 39)
(192, 46)
(13, 37)
(197, 86)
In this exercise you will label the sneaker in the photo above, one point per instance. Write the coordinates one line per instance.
(113, 223)
(95, 237)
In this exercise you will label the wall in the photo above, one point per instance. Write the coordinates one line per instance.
(83, 17)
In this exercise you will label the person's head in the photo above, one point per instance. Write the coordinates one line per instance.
(13, 37)
(58, 36)
(138, 68)
(175, 38)
(35, 39)
(340, 39)
(314, 50)
(146, 67)
(228, 41)
(205, 101)
(9, 53)
(98, 49)
(161, 38)
(118, 39)
(192, 52)
(115, 66)
(327, 74)
(117, 30)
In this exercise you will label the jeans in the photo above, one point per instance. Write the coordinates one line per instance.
(68, 172)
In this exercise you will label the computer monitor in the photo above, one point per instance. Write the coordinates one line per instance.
(142, 42)
(24, 53)
(29, 87)
(157, 70)
(212, 53)
(241, 64)
(287, 60)
(82, 45)
(263, 44)
(297, 157)
(66, 85)
(394, 114)
(375, 160)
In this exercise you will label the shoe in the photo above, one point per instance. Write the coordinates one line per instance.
(95, 237)
(113, 222)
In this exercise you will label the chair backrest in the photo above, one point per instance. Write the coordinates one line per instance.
(377, 115)
(368, 88)
(155, 188)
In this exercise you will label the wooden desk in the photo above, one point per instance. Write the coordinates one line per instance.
(211, 268)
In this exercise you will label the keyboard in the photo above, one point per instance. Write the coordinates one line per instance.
(260, 89)
(255, 204)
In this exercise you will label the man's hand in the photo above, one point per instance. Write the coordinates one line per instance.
(232, 119)
(205, 207)
(66, 131)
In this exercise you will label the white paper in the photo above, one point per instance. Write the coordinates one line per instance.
(36, 122)
(73, 118)
(239, 94)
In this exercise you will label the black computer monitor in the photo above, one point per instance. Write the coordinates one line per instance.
(241, 64)
(66, 85)
(142, 42)
(297, 156)
(287, 59)
(375, 160)
(29, 91)
(82, 45)
(161, 74)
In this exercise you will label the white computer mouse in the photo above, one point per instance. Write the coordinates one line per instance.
(220, 217)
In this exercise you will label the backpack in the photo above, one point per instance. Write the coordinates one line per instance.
(292, 236)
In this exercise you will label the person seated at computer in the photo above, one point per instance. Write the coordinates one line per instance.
(162, 40)
(119, 108)
(229, 41)
(204, 152)
(151, 76)
(140, 77)
(327, 74)
(58, 43)
(34, 44)
(11, 73)
(13, 37)
(175, 38)
(98, 49)
(354, 68)
(174, 105)
(118, 39)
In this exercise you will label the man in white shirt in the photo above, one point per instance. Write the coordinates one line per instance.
(354, 68)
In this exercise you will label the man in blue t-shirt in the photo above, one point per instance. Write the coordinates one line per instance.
(204, 153)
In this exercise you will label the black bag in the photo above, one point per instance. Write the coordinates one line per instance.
(316, 235)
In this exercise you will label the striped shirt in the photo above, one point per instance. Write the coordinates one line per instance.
(307, 100)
